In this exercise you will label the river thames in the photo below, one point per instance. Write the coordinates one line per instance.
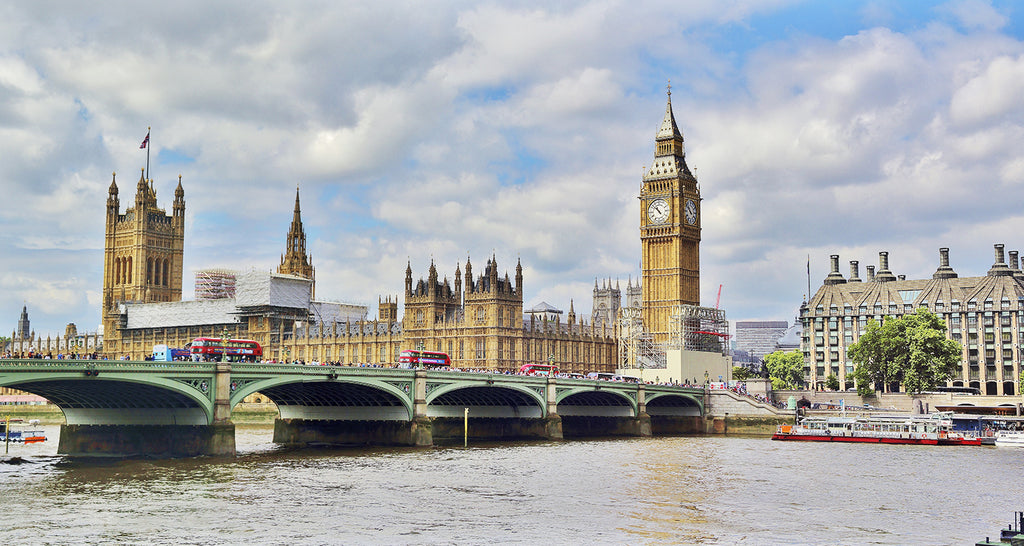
(684, 490)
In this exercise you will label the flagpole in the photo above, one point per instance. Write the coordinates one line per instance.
(148, 146)
(808, 275)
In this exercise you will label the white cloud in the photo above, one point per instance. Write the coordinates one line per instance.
(504, 128)
(993, 95)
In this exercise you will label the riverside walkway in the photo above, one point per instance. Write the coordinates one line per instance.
(168, 409)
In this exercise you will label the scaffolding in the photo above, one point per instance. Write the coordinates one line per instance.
(637, 349)
(703, 329)
(215, 284)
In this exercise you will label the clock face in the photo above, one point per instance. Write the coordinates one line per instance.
(691, 212)
(657, 211)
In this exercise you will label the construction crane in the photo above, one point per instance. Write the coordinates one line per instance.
(719, 298)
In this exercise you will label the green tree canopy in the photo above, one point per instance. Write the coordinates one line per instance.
(786, 370)
(912, 350)
(832, 382)
(741, 373)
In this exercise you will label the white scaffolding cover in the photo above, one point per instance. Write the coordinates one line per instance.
(179, 313)
(256, 289)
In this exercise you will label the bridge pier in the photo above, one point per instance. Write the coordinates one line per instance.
(304, 432)
(151, 441)
(578, 426)
(666, 425)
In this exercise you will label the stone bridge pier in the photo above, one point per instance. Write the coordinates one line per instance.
(140, 420)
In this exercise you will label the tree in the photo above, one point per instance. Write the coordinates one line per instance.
(863, 379)
(786, 370)
(741, 373)
(832, 382)
(912, 350)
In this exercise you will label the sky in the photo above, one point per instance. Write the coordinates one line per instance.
(438, 131)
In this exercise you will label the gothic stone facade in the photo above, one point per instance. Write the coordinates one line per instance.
(480, 326)
(143, 255)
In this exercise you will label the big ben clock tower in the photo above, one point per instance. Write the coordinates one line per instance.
(669, 231)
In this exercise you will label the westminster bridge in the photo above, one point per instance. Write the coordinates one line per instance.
(172, 409)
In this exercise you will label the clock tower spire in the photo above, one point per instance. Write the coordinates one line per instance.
(669, 230)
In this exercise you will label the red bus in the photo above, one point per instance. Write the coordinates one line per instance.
(420, 359)
(214, 348)
(545, 370)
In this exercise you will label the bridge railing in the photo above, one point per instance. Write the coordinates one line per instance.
(51, 363)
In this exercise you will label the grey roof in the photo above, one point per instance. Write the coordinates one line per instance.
(180, 313)
(544, 307)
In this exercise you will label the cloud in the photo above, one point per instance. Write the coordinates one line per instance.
(992, 96)
(505, 128)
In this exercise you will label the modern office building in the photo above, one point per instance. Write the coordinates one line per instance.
(758, 338)
(985, 314)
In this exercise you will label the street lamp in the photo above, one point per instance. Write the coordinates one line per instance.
(224, 346)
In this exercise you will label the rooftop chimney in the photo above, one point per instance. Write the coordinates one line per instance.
(871, 273)
(835, 277)
(944, 271)
(854, 272)
(999, 269)
(884, 275)
(1014, 265)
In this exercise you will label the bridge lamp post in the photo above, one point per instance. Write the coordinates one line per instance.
(224, 346)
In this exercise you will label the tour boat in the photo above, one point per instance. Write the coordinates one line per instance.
(7, 434)
(934, 429)
(1010, 438)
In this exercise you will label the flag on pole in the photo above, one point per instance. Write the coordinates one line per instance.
(145, 141)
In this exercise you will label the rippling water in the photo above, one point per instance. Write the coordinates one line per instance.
(705, 490)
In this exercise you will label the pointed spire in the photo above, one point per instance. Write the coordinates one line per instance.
(142, 187)
(669, 129)
(296, 261)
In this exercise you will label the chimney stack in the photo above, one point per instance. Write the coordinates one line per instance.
(999, 269)
(1015, 266)
(835, 277)
(944, 271)
(884, 275)
(854, 271)
(871, 273)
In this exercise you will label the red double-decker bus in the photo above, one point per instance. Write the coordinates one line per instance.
(545, 370)
(209, 348)
(420, 359)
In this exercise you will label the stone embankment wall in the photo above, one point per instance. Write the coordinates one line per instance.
(899, 401)
(732, 413)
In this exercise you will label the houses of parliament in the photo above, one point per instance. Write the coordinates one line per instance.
(478, 317)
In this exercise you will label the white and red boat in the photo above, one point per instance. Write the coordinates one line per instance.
(8, 434)
(934, 429)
